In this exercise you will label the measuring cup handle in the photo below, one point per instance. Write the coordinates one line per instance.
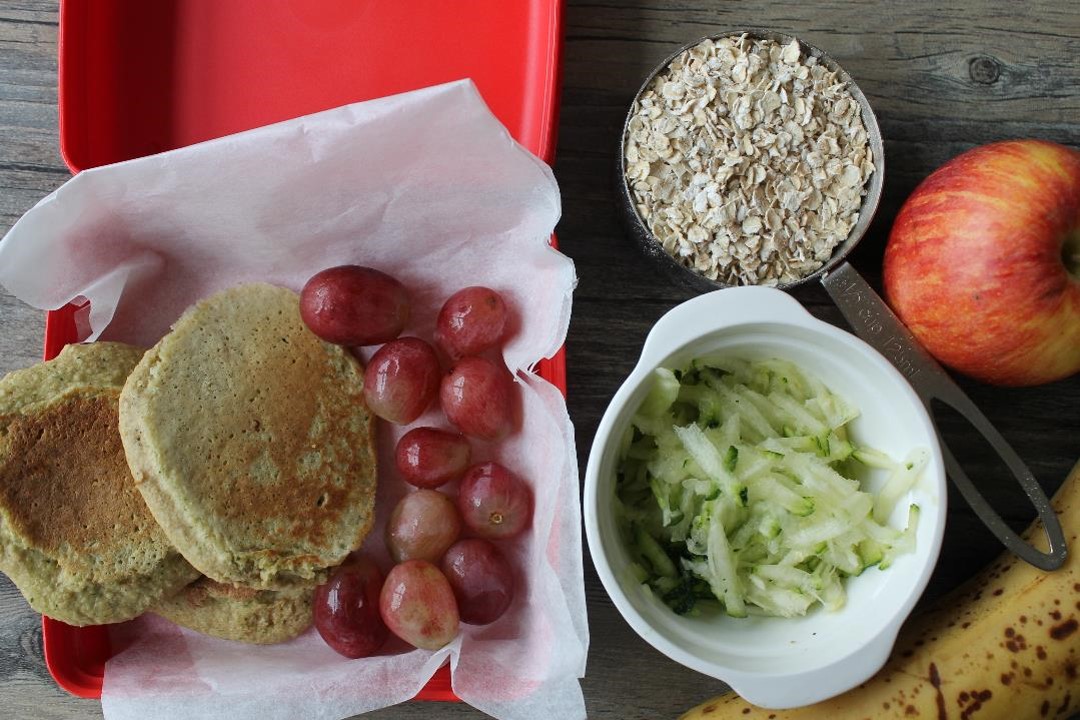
(875, 323)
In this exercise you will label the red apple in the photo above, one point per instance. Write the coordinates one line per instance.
(983, 263)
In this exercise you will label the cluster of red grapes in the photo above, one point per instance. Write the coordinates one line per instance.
(439, 579)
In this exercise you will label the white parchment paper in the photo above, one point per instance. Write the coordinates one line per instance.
(429, 187)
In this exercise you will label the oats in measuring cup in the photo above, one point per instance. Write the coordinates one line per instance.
(748, 161)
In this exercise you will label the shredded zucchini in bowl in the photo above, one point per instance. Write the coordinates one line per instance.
(736, 484)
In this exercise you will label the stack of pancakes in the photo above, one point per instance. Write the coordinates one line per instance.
(215, 479)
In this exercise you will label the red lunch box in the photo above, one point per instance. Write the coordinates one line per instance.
(138, 78)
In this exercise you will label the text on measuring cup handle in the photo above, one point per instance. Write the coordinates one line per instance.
(871, 327)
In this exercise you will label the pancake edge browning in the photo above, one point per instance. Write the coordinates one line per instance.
(73, 584)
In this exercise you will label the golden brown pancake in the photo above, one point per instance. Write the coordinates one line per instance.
(239, 613)
(76, 537)
(250, 441)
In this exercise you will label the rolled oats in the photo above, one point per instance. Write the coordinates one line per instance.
(748, 161)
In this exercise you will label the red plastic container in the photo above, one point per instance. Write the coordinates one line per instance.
(138, 77)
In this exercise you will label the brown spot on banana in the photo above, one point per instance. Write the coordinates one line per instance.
(1064, 630)
(935, 680)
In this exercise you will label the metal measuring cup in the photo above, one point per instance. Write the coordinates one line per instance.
(870, 318)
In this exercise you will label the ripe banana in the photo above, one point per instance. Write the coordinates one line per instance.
(1003, 646)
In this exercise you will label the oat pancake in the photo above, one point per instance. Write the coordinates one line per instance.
(239, 613)
(97, 365)
(76, 537)
(250, 441)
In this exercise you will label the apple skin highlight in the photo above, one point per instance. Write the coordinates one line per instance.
(976, 267)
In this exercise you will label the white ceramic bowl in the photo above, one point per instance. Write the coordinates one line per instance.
(777, 662)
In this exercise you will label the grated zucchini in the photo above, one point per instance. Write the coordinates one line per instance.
(732, 486)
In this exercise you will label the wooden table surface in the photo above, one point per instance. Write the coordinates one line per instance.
(942, 77)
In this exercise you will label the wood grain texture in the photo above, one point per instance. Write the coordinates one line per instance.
(942, 77)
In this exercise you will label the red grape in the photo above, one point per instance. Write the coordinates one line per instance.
(354, 305)
(346, 609)
(422, 526)
(477, 397)
(481, 579)
(418, 605)
(402, 379)
(428, 457)
(471, 321)
(494, 502)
